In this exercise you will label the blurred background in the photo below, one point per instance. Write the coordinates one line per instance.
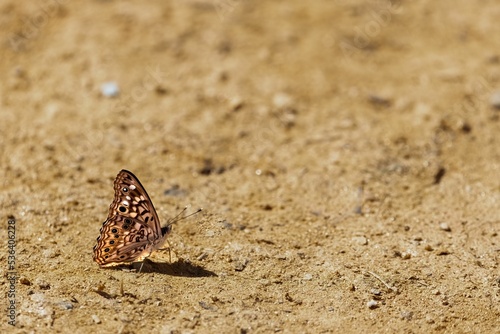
(346, 155)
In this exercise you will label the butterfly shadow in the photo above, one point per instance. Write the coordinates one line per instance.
(178, 268)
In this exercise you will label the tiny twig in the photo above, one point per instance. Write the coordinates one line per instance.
(394, 289)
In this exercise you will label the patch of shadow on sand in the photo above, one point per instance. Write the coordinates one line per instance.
(179, 268)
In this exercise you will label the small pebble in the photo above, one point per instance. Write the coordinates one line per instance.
(372, 304)
(443, 251)
(65, 305)
(379, 100)
(43, 285)
(375, 292)
(265, 282)
(360, 240)
(207, 306)
(235, 103)
(282, 100)
(428, 248)
(96, 319)
(445, 227)
(49, 253)
(110, 89)
(406, 315)
(25, 281)
(406, 256)
(307, 277)
(495, 100)
(240, 265)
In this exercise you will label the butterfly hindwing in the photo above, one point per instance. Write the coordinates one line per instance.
(132, 230)
(123, 240)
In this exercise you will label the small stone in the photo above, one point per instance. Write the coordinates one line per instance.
(379, 100)
(110, 89)
(96, 319)
(443, 251)
(240, 265)
(25, 281)
(282, 100)
(236, 103)
(495, 100)
(207, 306)
(65, 305)
(406, 315)
(265, 282)
(307, 277)
(406, 256)
(428, 248)
(161, 90)
(375, 292)
(372, 304)
(49, 253)
(360, 240)
(429, 319)
(445, 227)
(43, 285)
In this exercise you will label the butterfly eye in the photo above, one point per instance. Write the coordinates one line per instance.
(125, 189)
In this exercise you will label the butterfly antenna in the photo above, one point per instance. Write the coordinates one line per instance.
(176, 218)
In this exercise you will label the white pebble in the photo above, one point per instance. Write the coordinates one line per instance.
(110, 89)
(372, 304)
(495, 100)
(360, 240)
(282, 100)
(444, 227)
(96, 319)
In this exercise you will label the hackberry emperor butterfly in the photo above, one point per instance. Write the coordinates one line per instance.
(132, 230)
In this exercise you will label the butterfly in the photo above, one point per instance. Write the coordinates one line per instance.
(132, 230)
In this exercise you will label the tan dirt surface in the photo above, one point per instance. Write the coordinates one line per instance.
(346, 155)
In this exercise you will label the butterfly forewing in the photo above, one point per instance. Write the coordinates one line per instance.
(132, 200)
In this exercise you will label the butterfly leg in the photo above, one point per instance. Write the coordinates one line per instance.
(142, 264)
(169, 250)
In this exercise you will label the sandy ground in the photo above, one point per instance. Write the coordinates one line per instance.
(346, 155)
